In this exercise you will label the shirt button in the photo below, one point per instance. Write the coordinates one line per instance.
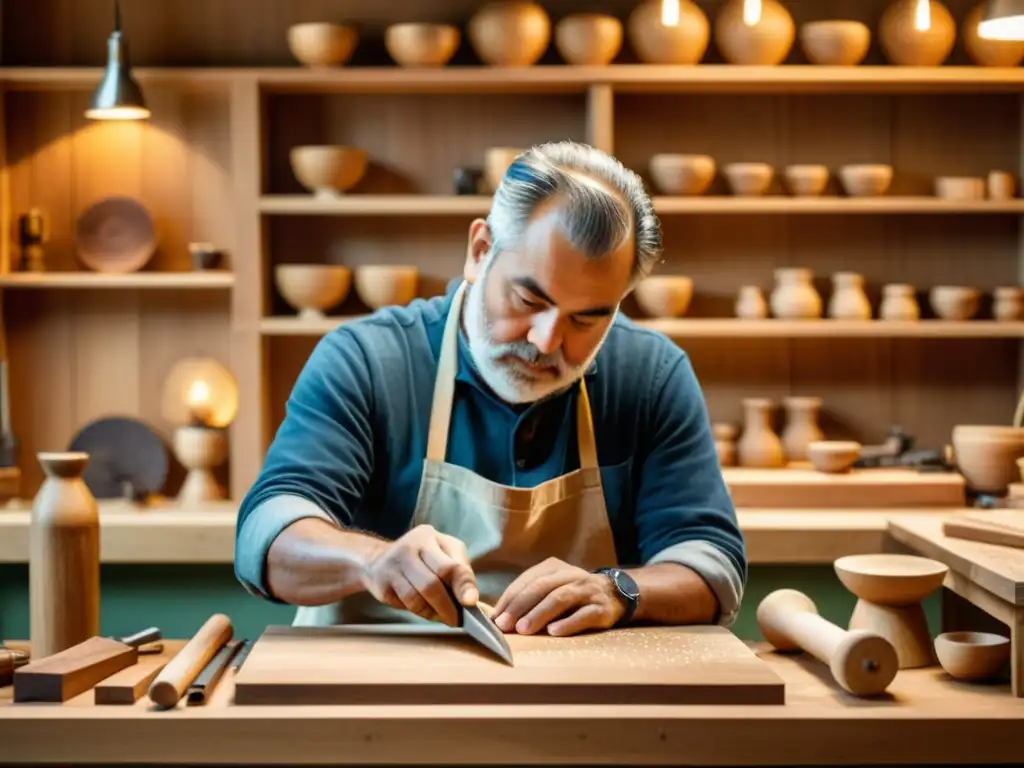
(520, 463)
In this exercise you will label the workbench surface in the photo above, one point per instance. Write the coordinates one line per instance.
(927, 718)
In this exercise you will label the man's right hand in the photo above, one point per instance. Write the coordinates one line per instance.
(411, 573)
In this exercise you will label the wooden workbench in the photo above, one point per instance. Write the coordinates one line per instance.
(926, 719)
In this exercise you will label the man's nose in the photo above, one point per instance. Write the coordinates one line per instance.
(545, 334)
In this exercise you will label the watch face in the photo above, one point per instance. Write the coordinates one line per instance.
(626, 584)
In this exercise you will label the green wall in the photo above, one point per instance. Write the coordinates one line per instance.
(178, 599)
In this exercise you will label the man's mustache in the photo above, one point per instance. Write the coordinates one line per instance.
(530, 354)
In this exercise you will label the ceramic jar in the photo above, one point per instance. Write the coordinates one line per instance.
(765, 42)
(1009, 304)
(657, 43)
(905, 44)
(725, 443)
(899, 303)
(848, 301)
(801, 426)
(794, 296)
(751, 304)
(64, 557)
(759, 445)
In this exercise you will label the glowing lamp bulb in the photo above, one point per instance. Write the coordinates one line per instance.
(923, 16)
(670, 13)
(751, 12)
(198, 401)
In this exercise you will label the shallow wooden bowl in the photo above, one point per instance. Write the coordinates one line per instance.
(833, 456)
(972, 655)
(328, 171)
(806, 180)
(835, 42)
(987, 455)
(416, 45)
(682, 174)
(510, 33)
(960, 188)
(954, 302)
(664, 295)
(749, 179)
(384, 285)
(890, 579)
(312, 288)
(866, 180)
(593, 39)
(319, 44)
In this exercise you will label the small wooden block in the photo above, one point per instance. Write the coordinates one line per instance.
(129, 685)
(75, 670)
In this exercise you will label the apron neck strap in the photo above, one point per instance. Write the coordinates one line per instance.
(444, 393)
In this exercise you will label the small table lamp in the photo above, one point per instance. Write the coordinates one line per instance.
(200, 396)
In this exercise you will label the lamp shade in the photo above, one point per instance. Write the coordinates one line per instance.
(118, 96)
(200, 391)
(1002, 20)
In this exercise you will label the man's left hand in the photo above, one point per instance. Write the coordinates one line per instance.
(560, 598)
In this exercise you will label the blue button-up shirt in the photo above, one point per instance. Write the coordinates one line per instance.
(353, 440)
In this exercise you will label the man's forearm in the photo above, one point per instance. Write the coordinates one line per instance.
(673, 594)
(313, 562)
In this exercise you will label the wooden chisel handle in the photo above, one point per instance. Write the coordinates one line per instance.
(172, 682)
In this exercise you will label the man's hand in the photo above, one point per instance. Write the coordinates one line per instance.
(560, 597)
(413, 571)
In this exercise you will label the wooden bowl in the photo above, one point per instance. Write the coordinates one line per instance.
(381, 285)
(664, 295)
(954, 302)
(319, 44)
(328, 171)
(972, 655)
(833, 456)
(835, 42)
(890, 579)
(655, 43)
(496, 163)
(987, 455)
(312, 288)
(422, 45)
(765, 43)
(115, 235)
(589, 39)
(682, 174)
(806, 180)
(866, 180)
(510, 33)
(960, 188)
(749, 179)
(988, 53)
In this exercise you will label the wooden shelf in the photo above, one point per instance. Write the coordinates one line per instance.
(155, 280)
(733, 328)
(625, 78)
(206, 534)
(479, 205)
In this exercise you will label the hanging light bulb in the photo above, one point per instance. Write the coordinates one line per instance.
(670, 13)
(751, 12)
(923, 16)
(118, 96)
(1002, 20)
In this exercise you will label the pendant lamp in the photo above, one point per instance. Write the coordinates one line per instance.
(118, 96)
(1002, 20)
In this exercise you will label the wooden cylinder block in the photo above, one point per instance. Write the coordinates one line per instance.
(174, 680)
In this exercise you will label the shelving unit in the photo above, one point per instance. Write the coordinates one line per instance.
(213, 165)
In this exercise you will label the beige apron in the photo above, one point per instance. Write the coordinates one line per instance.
(506, 530)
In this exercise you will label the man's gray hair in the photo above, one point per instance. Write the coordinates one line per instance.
(598, 216)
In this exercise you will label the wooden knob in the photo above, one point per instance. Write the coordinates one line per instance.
(172, 683)
(862, 663)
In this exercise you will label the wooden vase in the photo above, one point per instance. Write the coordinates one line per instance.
(906, 45)
(656, 43)
(848, 301)
(794, 296)
(200, 450)
(767, 42)
(899, 303)
(801, 426)
(759, 446)
(64, 557)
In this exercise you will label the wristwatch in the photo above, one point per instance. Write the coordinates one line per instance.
(627, 589)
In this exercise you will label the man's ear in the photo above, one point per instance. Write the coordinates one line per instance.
(477, 249)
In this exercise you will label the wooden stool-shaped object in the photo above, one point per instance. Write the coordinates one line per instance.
(890, 589)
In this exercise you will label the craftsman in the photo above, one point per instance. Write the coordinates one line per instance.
(517, 439)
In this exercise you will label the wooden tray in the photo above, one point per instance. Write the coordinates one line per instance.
(408, 664)
(807, 488)
(1003, 527)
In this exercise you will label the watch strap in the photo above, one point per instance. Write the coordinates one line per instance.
(631, 601)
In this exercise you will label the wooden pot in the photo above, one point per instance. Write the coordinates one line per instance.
(656, 43)
(759, 445)
(906, 45)
(320, 45)
(989, 53)
(415, 45)
(801, 426)
(589, 39)
(767, 42)
(510, 33)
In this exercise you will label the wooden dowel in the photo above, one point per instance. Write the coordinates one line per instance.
(172, 682)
